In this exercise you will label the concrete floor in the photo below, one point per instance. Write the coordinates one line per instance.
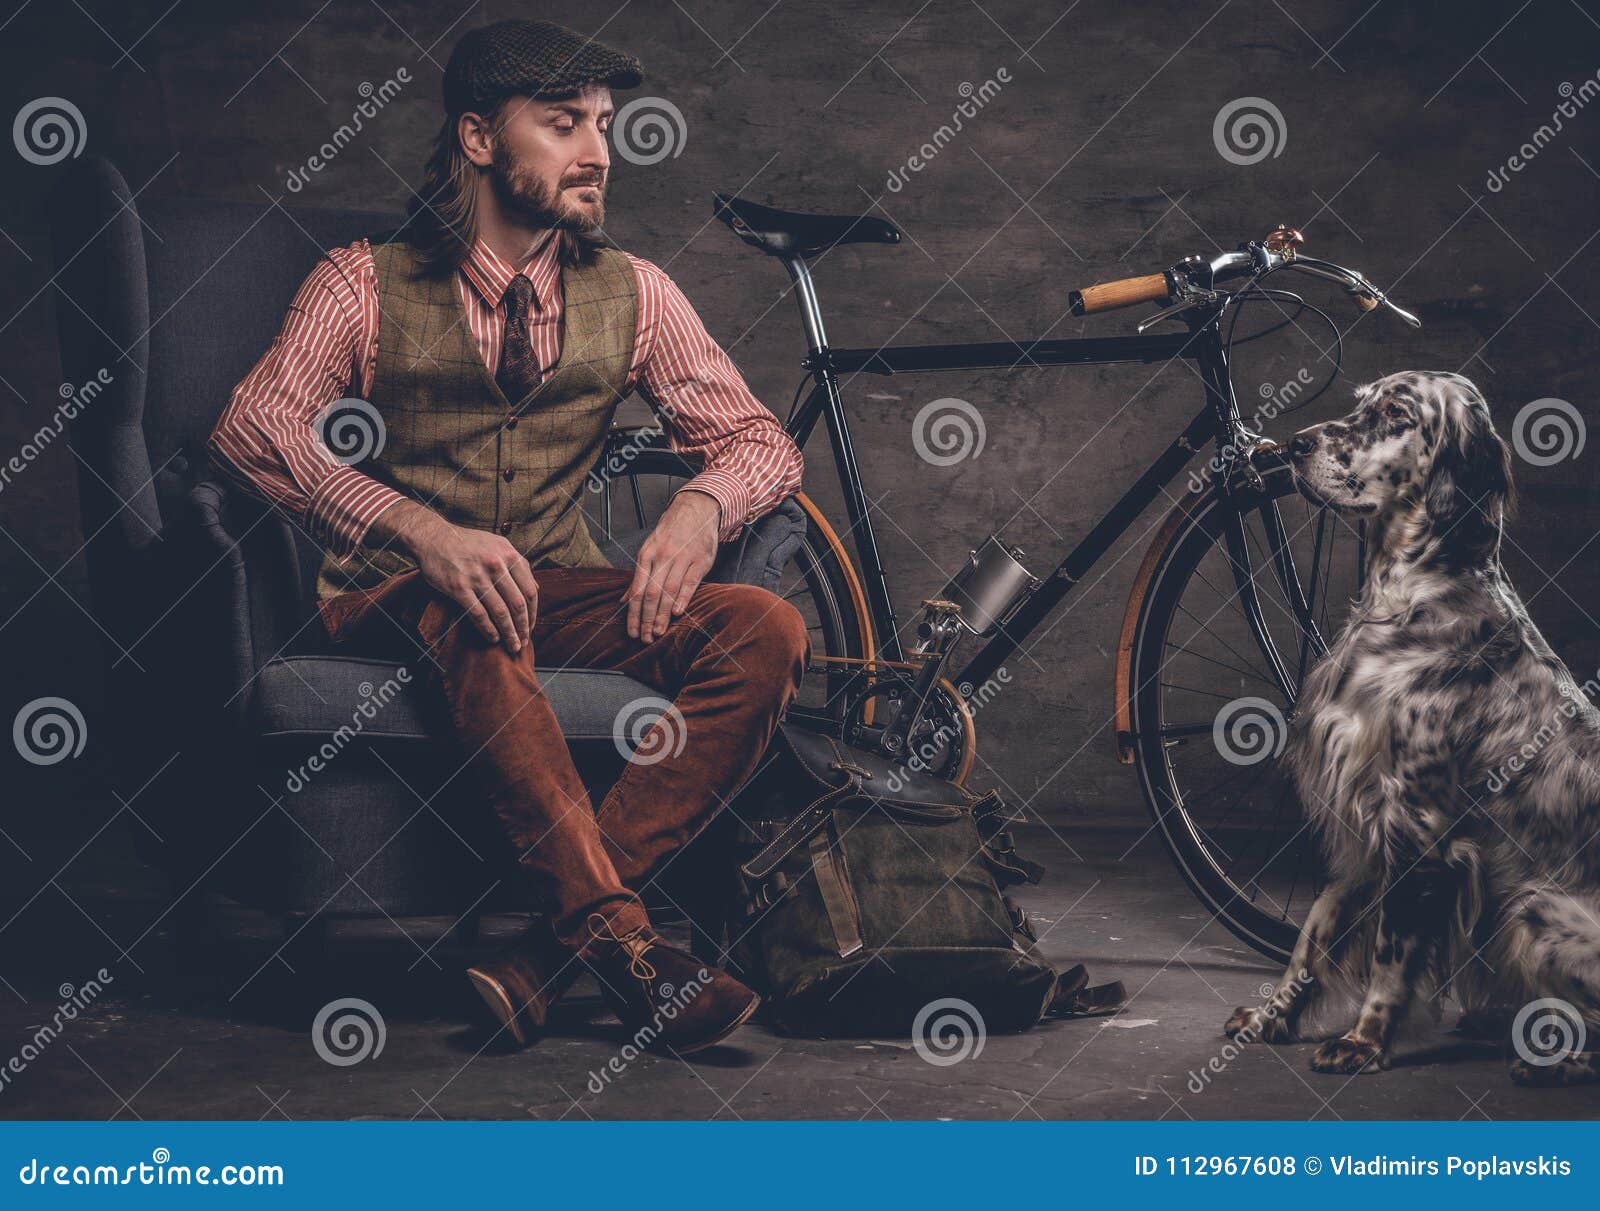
(159, 1047)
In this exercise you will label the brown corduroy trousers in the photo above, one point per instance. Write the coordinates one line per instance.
(730, 664)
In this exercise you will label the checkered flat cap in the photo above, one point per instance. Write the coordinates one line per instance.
(530, 58)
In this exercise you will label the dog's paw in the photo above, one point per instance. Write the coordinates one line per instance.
(1253, 1024)
(1242, 1021)
(1347, 1056)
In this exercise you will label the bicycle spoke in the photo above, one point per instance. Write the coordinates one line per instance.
(1173, 685)
(1266, 558)
(1221, 664)
(1283, 606)
(1207, 629)
(1311, 593)
(638, 499)
(1238, 771)
(1293, 884)
(1327, 595)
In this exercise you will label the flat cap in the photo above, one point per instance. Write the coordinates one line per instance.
(530, 58)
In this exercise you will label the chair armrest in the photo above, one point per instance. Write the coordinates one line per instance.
(244, 556)
(756, 555)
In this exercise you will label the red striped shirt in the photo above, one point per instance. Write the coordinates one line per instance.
(328, 347)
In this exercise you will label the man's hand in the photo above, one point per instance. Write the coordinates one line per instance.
(481, 572)
(672, 563)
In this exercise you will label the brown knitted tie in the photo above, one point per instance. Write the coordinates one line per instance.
(518, 374)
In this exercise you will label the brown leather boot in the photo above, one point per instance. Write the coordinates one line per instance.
(520, 985)
(669, 999)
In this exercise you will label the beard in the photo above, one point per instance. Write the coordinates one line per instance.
(523, 192)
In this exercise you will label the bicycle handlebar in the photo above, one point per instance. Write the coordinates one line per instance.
(1124, 292)
(1193, 281)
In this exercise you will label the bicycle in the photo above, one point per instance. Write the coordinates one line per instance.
(1244, 577)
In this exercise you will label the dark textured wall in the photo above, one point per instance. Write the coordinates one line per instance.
(1095, 160)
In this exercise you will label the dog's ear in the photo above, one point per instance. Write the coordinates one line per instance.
(1470, 489)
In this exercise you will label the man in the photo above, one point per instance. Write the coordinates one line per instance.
(495, 345)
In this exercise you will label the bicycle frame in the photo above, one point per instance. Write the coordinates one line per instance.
(1218, 421)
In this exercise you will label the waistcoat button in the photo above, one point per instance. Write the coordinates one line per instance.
(509, 474)
(505, 527)
(511, 423)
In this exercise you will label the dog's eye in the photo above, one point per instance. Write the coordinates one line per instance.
(1393, 411)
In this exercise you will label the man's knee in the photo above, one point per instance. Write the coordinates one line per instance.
(762, 619)
(450, 635)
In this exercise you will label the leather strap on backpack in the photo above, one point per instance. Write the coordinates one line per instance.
(999, 848)
(800, 828)
(833, 884)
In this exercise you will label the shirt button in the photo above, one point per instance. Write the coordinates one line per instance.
(509, 474)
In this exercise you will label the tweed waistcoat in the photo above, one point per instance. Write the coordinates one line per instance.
(452, 440)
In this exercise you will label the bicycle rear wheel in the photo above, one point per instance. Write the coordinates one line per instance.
(1213, 689)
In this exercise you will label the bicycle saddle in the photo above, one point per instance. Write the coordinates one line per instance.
(787, 233)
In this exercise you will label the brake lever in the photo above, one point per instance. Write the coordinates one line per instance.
(1188, 303)
(1413, 320)
(1368, 297)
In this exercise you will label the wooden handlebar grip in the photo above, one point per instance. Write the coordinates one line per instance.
(1108, 296)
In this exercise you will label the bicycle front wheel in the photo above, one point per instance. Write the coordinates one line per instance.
(1244, 593)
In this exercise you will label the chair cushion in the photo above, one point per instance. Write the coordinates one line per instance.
(320, 695)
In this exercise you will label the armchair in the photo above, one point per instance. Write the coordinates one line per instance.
(219, 683)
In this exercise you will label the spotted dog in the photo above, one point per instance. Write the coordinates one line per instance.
(1449, 762)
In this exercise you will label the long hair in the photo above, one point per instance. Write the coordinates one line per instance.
(442, 217)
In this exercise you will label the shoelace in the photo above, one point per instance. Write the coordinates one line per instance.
(633, 943)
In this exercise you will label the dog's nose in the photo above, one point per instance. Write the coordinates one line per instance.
(1302, 445)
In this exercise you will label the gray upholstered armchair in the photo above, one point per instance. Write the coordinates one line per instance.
(219, 682)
